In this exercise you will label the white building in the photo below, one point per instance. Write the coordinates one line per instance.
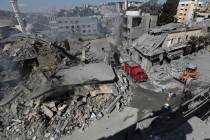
(80, 25)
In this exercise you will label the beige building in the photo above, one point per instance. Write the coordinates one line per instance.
(164, 43)
(181, 36)
(186, 10)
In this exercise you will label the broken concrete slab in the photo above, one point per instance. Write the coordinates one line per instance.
(10, 76)
(10, 97)
(38, 84)
(87, 74)
(113, 104)
(102, 89)
(50, 104)
(47, 111)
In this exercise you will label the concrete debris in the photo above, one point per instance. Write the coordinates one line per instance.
(47, 111)
(10, 97)
(113, 104)
(52, 92)
(97, 73)
(52, 88)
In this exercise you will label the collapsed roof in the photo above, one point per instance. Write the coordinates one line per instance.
(165, 28)
(90, 73)
(148, 44)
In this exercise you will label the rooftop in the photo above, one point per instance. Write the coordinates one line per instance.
(148, 44)
(188, 1)
(98, 72)
(166, 28)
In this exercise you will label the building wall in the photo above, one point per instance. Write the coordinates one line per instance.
(185, 10)
(146, 21)
(153, 22)
(81, 25)
(143, 61)
(6, 21)
(202, 16)
(178, 37)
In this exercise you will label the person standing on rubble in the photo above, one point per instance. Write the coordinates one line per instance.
(168, 99)
(163, 89)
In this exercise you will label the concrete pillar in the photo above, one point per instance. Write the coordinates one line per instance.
(126, 4)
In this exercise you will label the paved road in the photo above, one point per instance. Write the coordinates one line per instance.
(147, 101)
(108, 126)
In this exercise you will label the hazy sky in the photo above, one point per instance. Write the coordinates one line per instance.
(43, 5)
(40, 5)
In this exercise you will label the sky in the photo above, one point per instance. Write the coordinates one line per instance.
(43, 5)
(40, 5)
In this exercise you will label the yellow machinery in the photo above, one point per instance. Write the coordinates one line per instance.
(189, 73)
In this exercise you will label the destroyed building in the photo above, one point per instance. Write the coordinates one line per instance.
(169, 41)
(52, 86)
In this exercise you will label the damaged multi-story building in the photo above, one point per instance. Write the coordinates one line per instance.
(80, 25)
(168, 41)
(136, 23)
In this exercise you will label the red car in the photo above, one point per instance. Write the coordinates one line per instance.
(135, 71)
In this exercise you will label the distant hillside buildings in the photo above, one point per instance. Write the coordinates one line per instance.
(6, 21)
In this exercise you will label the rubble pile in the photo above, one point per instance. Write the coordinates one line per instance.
(28, 119)
(167, 71)
(38, 105)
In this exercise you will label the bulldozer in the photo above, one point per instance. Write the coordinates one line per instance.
(189, 73)
(189, 77)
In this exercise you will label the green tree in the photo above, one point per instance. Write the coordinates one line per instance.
(152, 7)
(196, 42)
(168, 12)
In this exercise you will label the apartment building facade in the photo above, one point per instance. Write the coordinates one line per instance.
(136, 23)
(81, 25)
(187, 9)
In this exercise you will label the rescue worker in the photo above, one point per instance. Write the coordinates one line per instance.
(168, 99)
